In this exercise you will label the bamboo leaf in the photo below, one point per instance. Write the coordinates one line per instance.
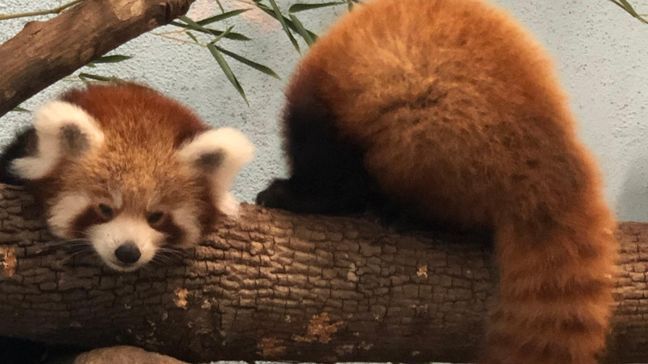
(303, 7)
(625, 5)
(230, 35)
(289, 22)
(227, 70)
(113, 58)
(199, 28)
(193, 37)
(225, 33)
(192, 24)
(257, 66)
(302, 31)
(277, 15)
(89, 76)
(219, 17)
(19, 109)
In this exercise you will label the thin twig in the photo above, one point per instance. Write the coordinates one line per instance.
(56, 10)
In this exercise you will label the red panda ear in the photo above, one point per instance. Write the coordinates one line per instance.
(219, 154)
(63, 130)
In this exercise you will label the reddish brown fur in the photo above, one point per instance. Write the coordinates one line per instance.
(462, 119)
(143, 130)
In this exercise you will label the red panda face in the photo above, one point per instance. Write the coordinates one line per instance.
(132, 177)
(128, 209)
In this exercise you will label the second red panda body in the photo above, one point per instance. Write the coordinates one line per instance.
(450, 110)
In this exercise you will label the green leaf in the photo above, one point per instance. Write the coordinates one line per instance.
(201, 29)
(227, 70)
(219, 17)
(277, 15)
(625, 5)
(193, 37)
(230, 35)
(257, 66)
(225, 33)
(89, 76)
(113, 58)
(302, 31)
(19, 109)
(270, 12)
(191, 23)
(302, 7)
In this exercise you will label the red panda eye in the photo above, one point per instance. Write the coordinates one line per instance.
(105, 211)
(154, 217)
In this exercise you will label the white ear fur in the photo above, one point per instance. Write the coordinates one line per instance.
(61, 128)
(220, 153)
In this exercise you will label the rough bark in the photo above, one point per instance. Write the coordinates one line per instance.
(44, 52)
(280, 286)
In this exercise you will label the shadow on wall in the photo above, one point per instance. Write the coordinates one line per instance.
(633, 200)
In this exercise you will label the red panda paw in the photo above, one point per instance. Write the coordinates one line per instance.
(285, 194)
(275, 195)
(298, 196)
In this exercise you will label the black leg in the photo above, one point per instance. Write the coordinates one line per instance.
(328, 174)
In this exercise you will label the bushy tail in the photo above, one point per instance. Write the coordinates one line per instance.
(555, 294)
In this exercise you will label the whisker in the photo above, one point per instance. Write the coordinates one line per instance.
(66, 242)
(162, 258)
(169, 257)
(78, 254)
(172, 251)
(166, 259)
(172, 255)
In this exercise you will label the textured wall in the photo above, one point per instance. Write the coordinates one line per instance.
(600, 52)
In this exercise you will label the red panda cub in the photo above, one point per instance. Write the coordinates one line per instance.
(452, 111)
(128, 169)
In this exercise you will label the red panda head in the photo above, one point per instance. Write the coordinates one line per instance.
(130, 171)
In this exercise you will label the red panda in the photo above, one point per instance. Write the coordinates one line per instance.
(450, 110)
(128, 169)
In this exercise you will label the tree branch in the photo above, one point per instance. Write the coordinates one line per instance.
(281, 286)
(44, 52)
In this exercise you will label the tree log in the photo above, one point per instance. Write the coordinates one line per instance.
(44, 52)
(275, 285)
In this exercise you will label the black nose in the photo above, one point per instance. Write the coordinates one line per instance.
(128, 253)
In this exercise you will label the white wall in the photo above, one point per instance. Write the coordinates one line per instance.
(601, 53)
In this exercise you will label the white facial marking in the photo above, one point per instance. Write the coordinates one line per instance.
(106, 238)
(185, 218)
(64, 211)
(236, 151)
(49, 121)
(117, 200)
